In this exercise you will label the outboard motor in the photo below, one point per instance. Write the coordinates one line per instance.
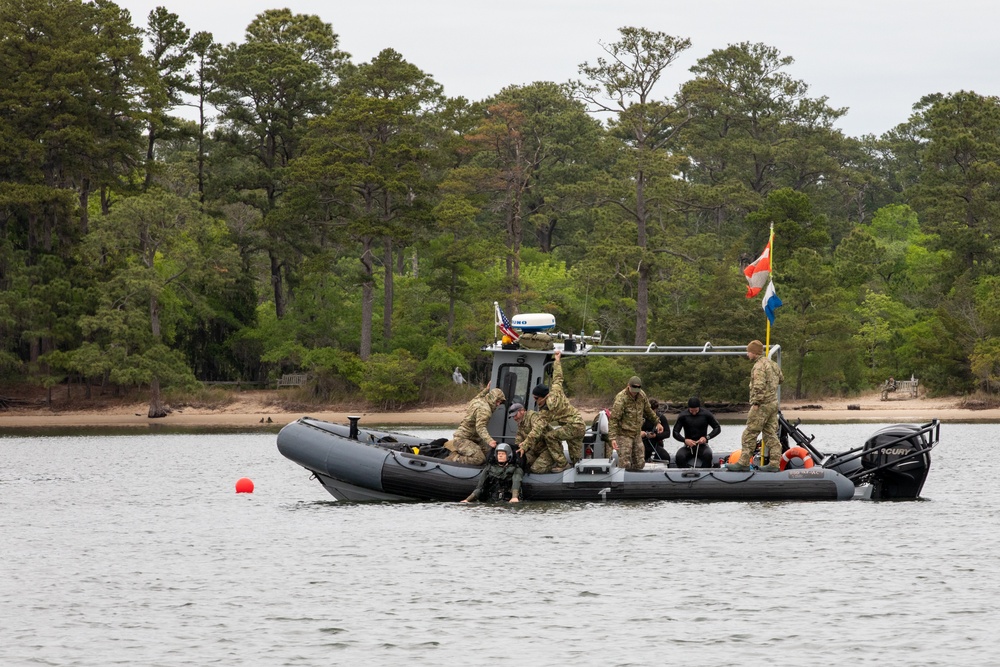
(898, 458)
(894, 460)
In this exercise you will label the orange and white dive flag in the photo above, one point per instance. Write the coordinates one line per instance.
(758, 272)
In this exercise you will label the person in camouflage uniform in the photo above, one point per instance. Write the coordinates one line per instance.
(763, 418)
(471, 442)
(557, 420)
(499, 481)
(630, 409)
(525, 420)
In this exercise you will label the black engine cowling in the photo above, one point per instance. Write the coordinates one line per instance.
(894, 460)
(897, 458)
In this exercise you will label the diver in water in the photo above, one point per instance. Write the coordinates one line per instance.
(500, 481)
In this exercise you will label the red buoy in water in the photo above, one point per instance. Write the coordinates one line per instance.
(244, 485)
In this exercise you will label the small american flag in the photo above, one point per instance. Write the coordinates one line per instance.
(503, 323)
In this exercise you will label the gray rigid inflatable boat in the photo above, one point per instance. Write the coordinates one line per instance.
(360, 464)
(381, 466)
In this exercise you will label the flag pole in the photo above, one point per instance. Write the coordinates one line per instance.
(767, 337)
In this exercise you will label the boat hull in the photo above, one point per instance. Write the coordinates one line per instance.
(379, 466)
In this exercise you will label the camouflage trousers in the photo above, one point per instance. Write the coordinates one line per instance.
(548, 452)
(631, 452)
(467, 451)
(763, 419)
(573, 435)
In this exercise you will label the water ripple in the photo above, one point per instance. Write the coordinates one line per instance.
(135, 550)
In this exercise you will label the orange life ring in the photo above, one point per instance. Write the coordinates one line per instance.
(793, 453)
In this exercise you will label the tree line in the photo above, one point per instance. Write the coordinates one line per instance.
(351, 220)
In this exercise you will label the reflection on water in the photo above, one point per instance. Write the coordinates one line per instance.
(135, 549)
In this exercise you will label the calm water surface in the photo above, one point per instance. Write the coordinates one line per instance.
(135, 549)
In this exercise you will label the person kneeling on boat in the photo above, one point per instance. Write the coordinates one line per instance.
(557, 420)
(525, 420)
(472, 442)
(691, 428)
(500, 480)
(631, 407)
(547, 443)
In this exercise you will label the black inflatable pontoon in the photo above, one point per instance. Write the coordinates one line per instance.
(356, 464)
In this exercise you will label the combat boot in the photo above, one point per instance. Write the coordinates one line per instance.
(737, 467)
(771, 467)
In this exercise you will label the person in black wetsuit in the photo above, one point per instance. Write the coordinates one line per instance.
(501, 480)
(691, 428)
(653, 441)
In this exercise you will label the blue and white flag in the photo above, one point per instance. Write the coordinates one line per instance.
(770, 302)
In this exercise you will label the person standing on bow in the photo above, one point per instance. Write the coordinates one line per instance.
(500, 481)
(557, 420)
(472, 442)
(765, 378)
(691, 428)
(630, 408)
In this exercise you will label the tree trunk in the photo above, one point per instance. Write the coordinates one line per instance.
(201, 151)
(514, 239)
(387, 306)
(156, 408)
(150, 152)
(451, 304)
(544, 234)
(278, 285)
(798, 374)
(642, 286)
(84, 214)
(367, 300)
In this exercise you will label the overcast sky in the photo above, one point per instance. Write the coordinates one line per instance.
(876, 57)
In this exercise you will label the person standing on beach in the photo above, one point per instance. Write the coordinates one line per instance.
(765, 377)
(557, 420)
(472, 442)
(630, 408)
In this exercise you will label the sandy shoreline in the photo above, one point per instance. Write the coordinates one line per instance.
(249, 415)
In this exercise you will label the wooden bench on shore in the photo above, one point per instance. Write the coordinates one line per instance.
(292, 380)
(902, 388)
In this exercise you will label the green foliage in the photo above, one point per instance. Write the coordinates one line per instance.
(391, 380)
(603, 376)
(437, 367)
(336, 211)
(956, 193)
(881, 320)
(335, 373)
(985, 364)
(931, 351)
